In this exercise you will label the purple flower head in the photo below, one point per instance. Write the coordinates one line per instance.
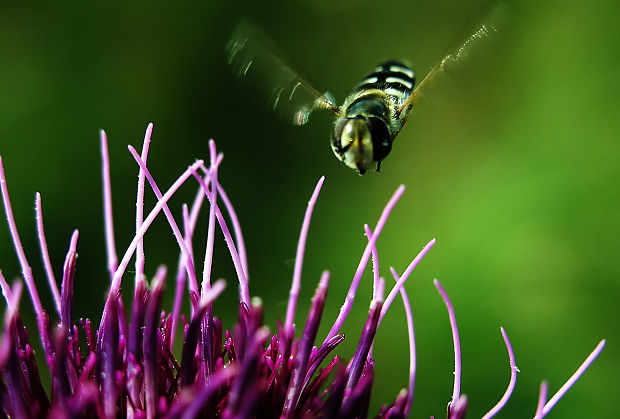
(127, 368)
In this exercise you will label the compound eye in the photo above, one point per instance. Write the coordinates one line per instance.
(337, 136)
(381, 143)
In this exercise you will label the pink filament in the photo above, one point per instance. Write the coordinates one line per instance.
(455, 338)
(107, 206)
(301, 245)
(582, 368)
(44, 253)
(140, 205)
(513, 379)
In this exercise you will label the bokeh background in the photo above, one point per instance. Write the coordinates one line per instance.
(514, 169)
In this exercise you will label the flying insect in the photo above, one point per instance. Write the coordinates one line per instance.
(375, 111)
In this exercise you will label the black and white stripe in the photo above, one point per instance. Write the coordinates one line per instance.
(392, 77)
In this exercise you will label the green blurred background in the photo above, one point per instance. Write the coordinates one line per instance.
(514, 171)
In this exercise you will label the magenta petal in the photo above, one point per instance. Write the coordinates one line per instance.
(365, 342)
(150, 345)
(108, 360)
(305, 346)
(68, 274)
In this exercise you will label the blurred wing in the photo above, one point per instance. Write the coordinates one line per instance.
(472, 42)
(252, 54)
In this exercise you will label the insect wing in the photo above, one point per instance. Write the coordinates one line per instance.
(253, 55)
(473, 40)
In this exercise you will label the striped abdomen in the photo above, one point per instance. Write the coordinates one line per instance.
(392, 77)
(381, 94)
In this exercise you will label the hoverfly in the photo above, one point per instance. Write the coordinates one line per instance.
(373, 114)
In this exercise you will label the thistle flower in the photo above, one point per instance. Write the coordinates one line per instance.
(126, 367)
